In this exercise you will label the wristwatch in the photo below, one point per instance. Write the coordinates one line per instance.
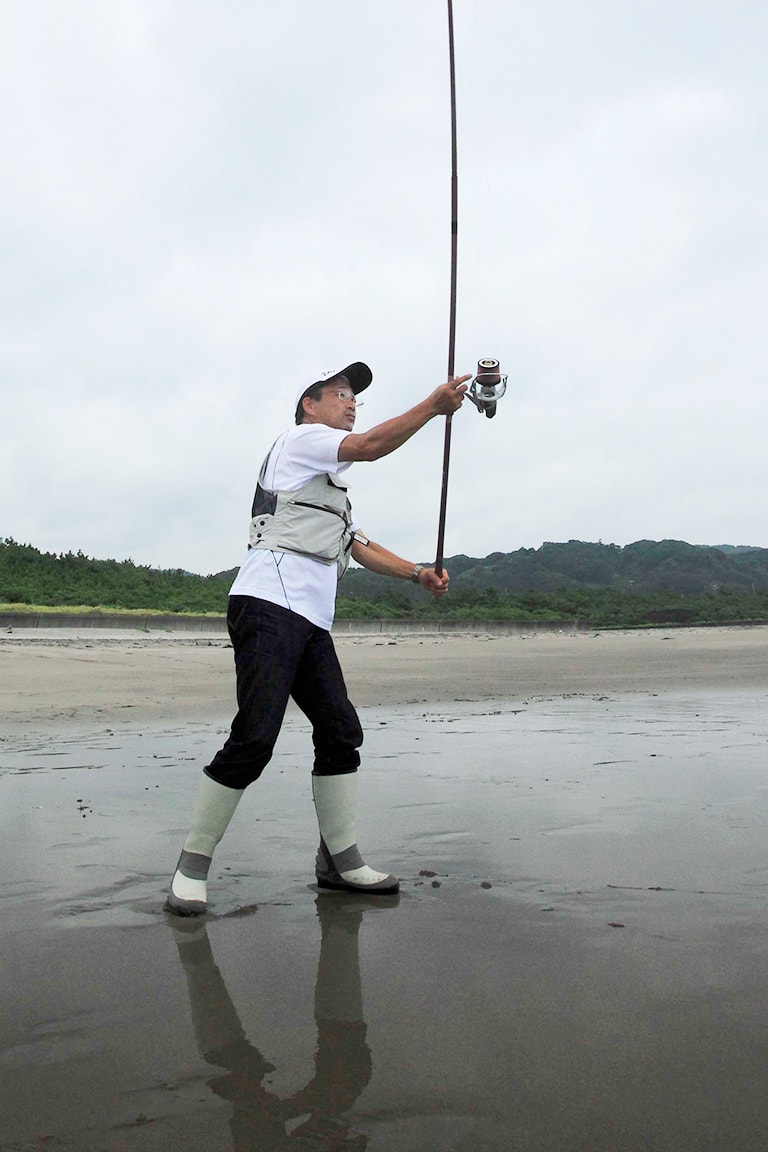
(415, 573)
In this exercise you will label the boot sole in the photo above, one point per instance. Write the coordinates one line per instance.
(184, 907)
(381, 889)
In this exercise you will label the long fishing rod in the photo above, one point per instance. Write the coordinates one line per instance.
(489, 384)
(452, 316)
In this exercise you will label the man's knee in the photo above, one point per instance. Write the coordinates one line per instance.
(338, 764)
(236, 769)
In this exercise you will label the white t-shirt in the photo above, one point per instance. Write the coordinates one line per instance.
(305, 586)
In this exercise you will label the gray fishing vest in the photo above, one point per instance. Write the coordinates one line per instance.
(314, 521)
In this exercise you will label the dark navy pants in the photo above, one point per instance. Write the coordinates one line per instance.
(279, 654)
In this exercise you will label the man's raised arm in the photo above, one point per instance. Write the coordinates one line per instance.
(386, 437)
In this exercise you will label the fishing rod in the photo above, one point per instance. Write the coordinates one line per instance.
(489, 384)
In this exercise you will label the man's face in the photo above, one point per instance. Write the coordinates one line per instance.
(336, 407)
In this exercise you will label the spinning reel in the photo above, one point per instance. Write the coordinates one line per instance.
(488, 386)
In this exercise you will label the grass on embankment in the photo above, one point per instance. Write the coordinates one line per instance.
(90, 610)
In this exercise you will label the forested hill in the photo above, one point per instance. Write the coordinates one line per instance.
(646, 566)
(648, 581)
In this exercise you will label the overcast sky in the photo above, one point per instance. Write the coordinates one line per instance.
(205, 203)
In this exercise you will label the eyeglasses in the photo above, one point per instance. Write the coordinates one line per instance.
(344, 394)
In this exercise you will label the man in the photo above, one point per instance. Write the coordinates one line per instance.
(280, 613)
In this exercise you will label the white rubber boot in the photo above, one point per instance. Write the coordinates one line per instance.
(339, 863)
(214, 807)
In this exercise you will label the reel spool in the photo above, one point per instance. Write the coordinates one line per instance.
(488, 386)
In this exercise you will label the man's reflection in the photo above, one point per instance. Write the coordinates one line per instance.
(342, 1058)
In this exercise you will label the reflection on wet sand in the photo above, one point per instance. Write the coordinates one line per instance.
(576, 959)
(261, 1120)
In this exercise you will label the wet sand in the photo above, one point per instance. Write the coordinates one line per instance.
(576, 960)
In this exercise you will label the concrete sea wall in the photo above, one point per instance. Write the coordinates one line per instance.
(173, 622)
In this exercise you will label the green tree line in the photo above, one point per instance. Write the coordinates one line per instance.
(600, 607)
(561, 582)
(72, 579)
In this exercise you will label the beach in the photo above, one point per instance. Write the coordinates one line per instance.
(575, 960)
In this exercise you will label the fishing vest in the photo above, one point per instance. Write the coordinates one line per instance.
(313, 521)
